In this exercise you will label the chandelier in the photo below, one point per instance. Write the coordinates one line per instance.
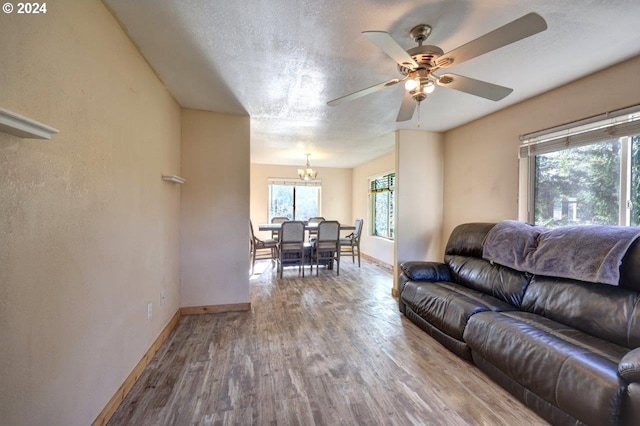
(307, 173)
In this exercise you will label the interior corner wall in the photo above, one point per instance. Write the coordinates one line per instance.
(89, 232)
(378, 248)
(214, 209)
(482, 179)
(419, 196)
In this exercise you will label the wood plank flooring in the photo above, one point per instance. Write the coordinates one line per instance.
(314, 351)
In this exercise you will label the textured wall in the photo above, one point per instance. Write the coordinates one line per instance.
(89, 233)
(215, 209)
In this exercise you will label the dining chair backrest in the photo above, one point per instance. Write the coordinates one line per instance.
(328, 232)
(317, 219)
(253, 235)
(291, 245)
(275, 234)
(326, 248)
(292, 232)
(358, 230)
(260, 249)
(351, 243)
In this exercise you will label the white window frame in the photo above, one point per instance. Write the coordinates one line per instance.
(294, 183)
(371, 202)
(620, 124)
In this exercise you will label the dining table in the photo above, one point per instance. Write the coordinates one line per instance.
(307, 227)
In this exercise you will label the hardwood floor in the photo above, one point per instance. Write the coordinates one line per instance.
(325, 351)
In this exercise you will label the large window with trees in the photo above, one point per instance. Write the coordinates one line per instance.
(587, 173)
(382, 205)
(294, 199)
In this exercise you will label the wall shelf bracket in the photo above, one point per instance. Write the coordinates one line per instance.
(174, 179)
(23, 127)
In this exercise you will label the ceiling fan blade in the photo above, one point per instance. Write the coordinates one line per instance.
(407, 108)
(474, 87)
(391, 47)
(363, 92)
(519, 29)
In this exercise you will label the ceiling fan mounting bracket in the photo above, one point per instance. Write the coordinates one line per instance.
(425, 56)
(420, 33)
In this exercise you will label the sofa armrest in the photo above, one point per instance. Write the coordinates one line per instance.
(629, 366)
(426, 271)
(632, 406)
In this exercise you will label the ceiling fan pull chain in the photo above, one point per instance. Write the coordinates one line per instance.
(419, 114)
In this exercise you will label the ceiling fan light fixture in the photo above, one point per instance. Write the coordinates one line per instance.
(429, 87)
(411, 84)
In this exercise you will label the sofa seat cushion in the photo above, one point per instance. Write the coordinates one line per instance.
(572, 370)
(448, 306)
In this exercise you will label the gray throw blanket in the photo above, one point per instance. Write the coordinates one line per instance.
(591, 253)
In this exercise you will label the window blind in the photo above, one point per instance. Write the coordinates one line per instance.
(383, 183)
(612, 125)
(294, 182)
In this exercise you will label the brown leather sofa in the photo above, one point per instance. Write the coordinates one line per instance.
(569, 350)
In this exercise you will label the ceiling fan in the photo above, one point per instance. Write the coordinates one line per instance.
(419, 64)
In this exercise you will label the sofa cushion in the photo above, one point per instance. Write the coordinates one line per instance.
(448, 306)
(603, 311)
(629, 276)
(456, 346)
(467, 239)
(576, 372)
(499, 281)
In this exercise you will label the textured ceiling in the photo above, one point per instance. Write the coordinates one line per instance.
(280, 61)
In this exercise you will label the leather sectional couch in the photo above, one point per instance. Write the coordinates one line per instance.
(569, 349)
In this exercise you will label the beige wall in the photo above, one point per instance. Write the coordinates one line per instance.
(335, 202)
(376, 247)
(89, 232)
(215, 209)
(481, 158)
(419, 196)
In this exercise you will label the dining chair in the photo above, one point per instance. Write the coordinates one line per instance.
(314, 232)
(261, 249)
(351, 243)
(326, 247)
(275, 234)
(291, 247)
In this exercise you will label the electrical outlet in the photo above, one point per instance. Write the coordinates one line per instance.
(149, 310)
(163, 296)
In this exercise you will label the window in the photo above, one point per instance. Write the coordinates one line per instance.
(382, 205)
(294, 199)
(586, 173)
